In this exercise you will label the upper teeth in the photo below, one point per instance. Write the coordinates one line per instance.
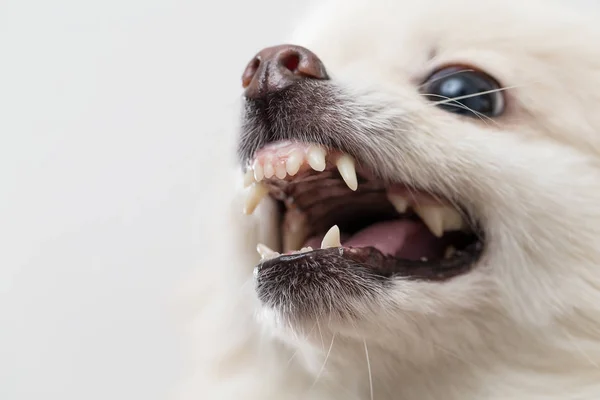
(258, 171)
(440, 219)
(280, 171)
(292, 164)
(283, 161)
(255, 194)
(316, 158)
(289, 158)
(345, 165)
(399, 202)
(269, 169)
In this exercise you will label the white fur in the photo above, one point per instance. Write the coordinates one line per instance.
(525, 323)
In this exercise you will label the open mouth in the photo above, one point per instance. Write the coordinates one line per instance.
(332, 210)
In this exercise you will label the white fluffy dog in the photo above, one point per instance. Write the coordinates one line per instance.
(422, 181)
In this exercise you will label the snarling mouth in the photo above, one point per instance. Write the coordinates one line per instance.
(334, 211)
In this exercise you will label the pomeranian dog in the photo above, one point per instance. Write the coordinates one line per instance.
(413, 212)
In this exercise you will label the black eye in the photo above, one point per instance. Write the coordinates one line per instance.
(476, 93)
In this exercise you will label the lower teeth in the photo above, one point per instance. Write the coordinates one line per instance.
(265, 252)
(331, 238)
(450, 250)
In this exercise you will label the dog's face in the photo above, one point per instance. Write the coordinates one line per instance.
(445, 154)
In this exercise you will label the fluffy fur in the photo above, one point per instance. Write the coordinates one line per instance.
(525, 323)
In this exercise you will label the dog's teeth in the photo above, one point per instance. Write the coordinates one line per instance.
(265, 252)
(440, 219)
(268, 168)
(331, 238)
(450, 250)
(292, 164)
(293, 240)
(399, 202)
(316, 158)
(255, 194)
(306, 249)
(249, 177)
(280, 171)
(433, 217)
(345, 164)
(295, 230)
(453, 221)
(258, 172)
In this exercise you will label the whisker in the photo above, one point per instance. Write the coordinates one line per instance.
(369, 368)
(469, 96)
(455, 99)
(324, 362)
(446, 76)
(320, 334)
(298, 347)
(453, 103)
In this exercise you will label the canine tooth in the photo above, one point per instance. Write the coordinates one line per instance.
(269, 170)
(316, 158)
(255, 194)
(280, 171)
(292, 164)
(433, 217)
(249, 177)
(331, 238)
(345, 165)
(453, 221)
(265, 252)
(440, 219)
(399, 202)
(450, 250)
(258, 172)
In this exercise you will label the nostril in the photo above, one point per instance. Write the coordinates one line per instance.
(276, 68)
(291, 61)
(250, 71)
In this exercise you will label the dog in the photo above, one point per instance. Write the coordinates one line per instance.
(409, 209)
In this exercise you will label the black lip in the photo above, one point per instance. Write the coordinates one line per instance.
(379, 264)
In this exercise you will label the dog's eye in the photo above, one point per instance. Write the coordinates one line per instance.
(464, 91)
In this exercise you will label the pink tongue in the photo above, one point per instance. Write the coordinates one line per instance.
(388, 237)
(401, 238)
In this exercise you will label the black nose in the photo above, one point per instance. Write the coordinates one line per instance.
(275, 68)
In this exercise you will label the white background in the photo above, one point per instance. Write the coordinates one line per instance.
(105, 107)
